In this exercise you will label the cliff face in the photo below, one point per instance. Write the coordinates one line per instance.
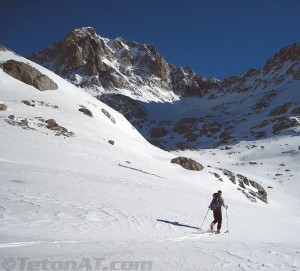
(173, 107)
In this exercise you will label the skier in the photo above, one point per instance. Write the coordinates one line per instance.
(216, 205)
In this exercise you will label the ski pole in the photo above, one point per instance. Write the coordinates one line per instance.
(204, 219)
(227, 221)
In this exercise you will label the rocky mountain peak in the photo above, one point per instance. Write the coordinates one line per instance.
(81, 33)
(100, 65)
(289, 53)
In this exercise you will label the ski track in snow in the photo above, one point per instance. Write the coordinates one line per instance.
(206, 253)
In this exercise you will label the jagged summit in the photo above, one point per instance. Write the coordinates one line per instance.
(100, 65)
(84, 31)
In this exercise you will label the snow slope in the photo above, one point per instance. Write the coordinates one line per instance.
(74, 198)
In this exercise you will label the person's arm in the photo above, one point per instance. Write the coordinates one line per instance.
(223, 204)
(210, 205)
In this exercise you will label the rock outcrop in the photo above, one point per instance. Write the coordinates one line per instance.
(85, 111)
(288, 53)
(248, 186)
(3, 48)
(59, 130)
(187, 163)
(158, 132)
(251, 189)
(3, 107)
(28, 75)
(108, 115)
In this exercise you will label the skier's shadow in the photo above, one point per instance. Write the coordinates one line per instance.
(175, 223)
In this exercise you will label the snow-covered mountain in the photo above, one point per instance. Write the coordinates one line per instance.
(80, 183)
(173, 107)
(102, 65)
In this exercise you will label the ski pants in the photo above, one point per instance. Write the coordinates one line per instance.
(218, 218)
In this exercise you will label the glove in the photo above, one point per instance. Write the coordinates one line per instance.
(226, 206)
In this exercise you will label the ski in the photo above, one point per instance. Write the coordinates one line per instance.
(212, 232)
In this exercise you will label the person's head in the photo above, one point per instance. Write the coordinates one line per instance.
(215, 195)
(219, 193)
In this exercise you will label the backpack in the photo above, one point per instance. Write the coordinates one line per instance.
(216, 204)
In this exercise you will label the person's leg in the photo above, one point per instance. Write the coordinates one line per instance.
(215, 216)
(219, 219)
(215, 220)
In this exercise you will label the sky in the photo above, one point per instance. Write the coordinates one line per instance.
(215, 37)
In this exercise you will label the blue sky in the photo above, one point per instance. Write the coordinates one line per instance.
(215, 37)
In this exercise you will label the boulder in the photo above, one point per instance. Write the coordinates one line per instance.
(28, 103)
(51, 124)
(108, 115)
(187, 163)
(86, 111)
(28, 75)
(3, 107)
